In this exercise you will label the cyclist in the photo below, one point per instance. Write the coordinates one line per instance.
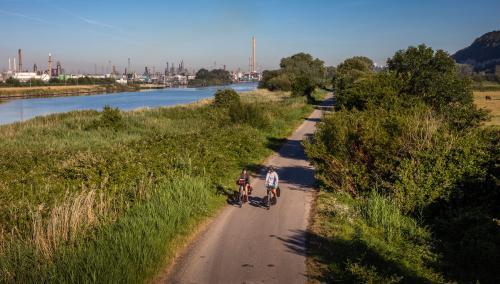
(244, 180)
(272, 180)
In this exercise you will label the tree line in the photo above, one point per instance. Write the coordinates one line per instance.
(215, 77)
(13, 82)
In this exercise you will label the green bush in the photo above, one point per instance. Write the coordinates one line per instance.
(303, 86)
(406, 153)
(11, 81)
(279, 83)
(250, 114)
(226, 98)
(109, 118)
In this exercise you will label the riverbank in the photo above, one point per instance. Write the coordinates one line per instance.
(127, 186)
(75, 90)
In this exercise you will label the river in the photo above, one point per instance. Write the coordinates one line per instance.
(22, 109)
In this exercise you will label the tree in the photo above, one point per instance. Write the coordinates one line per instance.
(267, 75)
(302, 65)
(281, 82)
(203, 74)
(302, 71)
(351, 70)
(433, 77)
(212, 77)
(303, 85)
(13, 82)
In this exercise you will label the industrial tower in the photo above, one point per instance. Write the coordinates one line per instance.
(254, 64)
(20, 58)
(50, 65)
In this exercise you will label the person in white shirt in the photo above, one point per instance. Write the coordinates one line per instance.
(272, 180)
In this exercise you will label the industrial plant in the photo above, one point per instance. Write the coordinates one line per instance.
(172, 75)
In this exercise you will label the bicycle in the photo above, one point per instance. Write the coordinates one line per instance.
(269, 197)
(242, 197)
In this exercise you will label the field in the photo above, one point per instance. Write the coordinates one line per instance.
(7, 92)
(492, 105)
(109, 196)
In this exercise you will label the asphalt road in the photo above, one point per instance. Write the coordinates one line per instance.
(252, 244)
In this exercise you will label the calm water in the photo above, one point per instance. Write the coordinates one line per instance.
(23, 109)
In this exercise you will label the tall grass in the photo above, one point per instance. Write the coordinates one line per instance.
(382, 212)
(368, 240)
(107, 197)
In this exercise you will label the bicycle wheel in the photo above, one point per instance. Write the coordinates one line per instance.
(240, 197)
(269, 196)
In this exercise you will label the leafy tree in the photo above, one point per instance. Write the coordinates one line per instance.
(303, 85)
(267, 75)
(13, 82)
(211, 78)
(351, 70)
(302, 65)
(281, 82)
(302, 70)
(226, 98)
(433, 77)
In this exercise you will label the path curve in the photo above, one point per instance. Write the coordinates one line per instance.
(252, 244)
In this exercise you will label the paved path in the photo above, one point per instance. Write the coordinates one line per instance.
(252, 244)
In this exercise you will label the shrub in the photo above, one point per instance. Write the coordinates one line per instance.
(250, 114)
(13, 82)
(109, 118)
(302, 86)
(407, 153)
(279, 83)
(226, 98)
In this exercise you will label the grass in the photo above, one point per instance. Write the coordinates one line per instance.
(108, 196)
(63, 90)
(493, 105)
(486, 86)
(367, 241)
(319, 94)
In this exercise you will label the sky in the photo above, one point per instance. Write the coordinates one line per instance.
(88, 35)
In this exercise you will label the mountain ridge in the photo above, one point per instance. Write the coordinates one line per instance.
(483, 54)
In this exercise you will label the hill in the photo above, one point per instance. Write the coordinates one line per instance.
(483, 54)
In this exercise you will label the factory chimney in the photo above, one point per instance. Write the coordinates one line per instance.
(50, 65)
(254, 65)
(20, 57)
(10, 67)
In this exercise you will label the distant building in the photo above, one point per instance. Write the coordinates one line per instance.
(26, 76)
(122, 81)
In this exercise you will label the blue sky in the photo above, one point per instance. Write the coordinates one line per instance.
(82, 34)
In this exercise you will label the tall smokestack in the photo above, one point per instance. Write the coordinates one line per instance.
(254, 67)
(20, 57)
(50, 65)
(10, 67)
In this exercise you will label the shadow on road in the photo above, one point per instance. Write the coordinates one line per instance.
(297, 177)
(313, 119)
(336, 258)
